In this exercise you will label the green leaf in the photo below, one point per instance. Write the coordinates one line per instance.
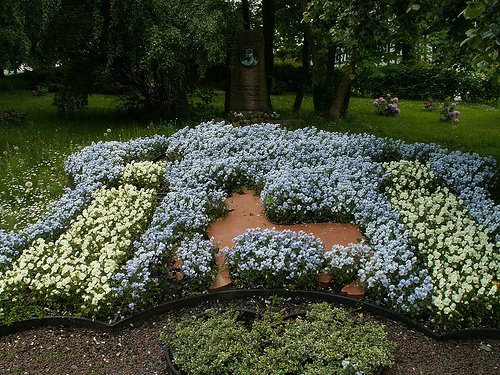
(474, 10)
(482, 65)
(412, 7)
(475, 41)
(487, 34)
(486, 348)
(470, 33)
(491, 2)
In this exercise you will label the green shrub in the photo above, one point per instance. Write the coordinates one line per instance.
(421, 81)
(476, 87)
(326, 341)
(52, 78)
(416, 82)
(12, 117)
(287, 77)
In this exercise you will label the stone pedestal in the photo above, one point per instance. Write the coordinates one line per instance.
(248, 90)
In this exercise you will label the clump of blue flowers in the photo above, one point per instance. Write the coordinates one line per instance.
(273, 259)
(304, 175)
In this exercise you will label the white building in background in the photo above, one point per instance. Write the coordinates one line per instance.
(21, 69)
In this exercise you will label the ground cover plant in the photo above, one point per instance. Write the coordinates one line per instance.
(325, 341)
(32, 153)
(310, 174)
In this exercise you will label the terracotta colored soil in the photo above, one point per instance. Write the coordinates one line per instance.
(247, 212)
(139, 350)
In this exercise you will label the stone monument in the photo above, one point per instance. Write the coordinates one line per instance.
(248, 90)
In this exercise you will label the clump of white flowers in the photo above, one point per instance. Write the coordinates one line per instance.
(75, 272)
(463, 263)
(144, 174)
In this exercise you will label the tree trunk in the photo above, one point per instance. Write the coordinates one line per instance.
(227, 96)
(304, 77)
(408, 53)
(340, 103)
(330, 65)
(268, 26)
(312, 44)
(246, 14)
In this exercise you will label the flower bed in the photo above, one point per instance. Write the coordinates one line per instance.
(305, 175)
(324, 341)
(274, 259)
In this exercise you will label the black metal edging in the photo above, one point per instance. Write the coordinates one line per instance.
(228, 295)
(173, 370)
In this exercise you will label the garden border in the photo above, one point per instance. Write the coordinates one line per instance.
(228, 295)
(173, 370)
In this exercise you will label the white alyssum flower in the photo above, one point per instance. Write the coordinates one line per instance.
(76, 269)
(464, 264)
(144, 174)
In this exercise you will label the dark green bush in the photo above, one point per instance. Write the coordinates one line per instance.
(324, 91)
(287, 77)
(417, 82)
(421, 81)
(478, 87)
(51, 78)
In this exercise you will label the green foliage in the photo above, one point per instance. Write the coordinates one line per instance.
(14, 43)
(418, 81)
(12, 117)
(161, 50)
(323, 94)
(72, 37)
(353, 26)
(421, 81)
(51, 78)
(287, 76)
(70, 100)
(478, 87)
(326, 341)
(484, 37)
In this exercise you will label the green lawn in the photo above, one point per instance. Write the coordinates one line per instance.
(478, 129)
(32, 153)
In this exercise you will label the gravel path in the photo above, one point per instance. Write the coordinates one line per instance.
(138, 350)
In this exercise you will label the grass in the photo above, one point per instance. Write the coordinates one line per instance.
(32, 153)
(478, 129)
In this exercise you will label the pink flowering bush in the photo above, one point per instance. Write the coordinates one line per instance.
(386, 106)
(12, 117)
(449, 113)
(430, 105)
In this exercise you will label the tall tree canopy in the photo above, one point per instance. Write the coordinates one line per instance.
(359, 30)
(484, 36)
(157, 50)
(14, 43)
(368, 33)
(161, 49)
(73, 36)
